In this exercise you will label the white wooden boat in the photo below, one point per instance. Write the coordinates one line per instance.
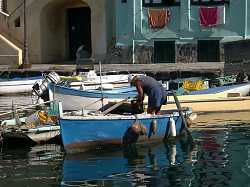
(90, 80)
(17, 85)
(106, 82)
(35, 135)
(219, 99)
(74, 99)
(30, 130)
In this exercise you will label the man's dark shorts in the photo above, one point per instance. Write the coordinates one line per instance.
(156, 97)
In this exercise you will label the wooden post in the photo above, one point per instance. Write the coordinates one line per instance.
(26, 63)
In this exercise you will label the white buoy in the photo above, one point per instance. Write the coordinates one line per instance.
(172, 127)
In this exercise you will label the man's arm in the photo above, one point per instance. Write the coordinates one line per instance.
(139, 90)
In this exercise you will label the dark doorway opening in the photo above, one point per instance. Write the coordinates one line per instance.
(164, 52)
(208, 51)
(79, 20)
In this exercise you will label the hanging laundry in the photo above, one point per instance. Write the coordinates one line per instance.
(158, 18)
(212, 16)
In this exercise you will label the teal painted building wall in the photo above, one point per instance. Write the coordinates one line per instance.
(133, 31)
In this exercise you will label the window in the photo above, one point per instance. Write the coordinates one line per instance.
(208, 51)
(17, 22)
(160, 3)
(209, 2)
(164, 52)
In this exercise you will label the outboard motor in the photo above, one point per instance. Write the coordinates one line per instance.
(41, 88)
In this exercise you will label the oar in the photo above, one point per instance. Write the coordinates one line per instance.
(115, 106)
(182, 117)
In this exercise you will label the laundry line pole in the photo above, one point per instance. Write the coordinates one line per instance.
(246, 19)
(133, 41)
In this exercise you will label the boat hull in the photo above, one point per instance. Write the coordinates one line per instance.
(18, 86)
(211, 104)
(219, 99)
(74, 99)
(83, 134)
(32, 136)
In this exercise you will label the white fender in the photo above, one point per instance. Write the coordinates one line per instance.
(172, 128)
(173, 155)
(82, 87)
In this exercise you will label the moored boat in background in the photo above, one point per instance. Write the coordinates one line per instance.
(218, 99)
(31, 136)
(74, 99)
(18, 85)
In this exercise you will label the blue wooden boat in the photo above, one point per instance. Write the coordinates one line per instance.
(83, 132)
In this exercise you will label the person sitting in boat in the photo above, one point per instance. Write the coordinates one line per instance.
(154, 90)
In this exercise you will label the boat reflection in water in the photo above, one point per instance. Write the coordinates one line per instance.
(129, 166)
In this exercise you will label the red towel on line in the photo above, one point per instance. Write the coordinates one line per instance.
(158, 18)
(212, 16)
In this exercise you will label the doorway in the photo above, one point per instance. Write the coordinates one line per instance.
(79, 23)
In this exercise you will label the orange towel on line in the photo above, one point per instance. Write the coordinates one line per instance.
(158, 18)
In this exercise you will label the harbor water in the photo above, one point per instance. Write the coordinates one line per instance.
(220, 156)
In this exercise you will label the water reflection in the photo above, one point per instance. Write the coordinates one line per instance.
(30, 166)
(211, 168)
(220, 157)
(161, 164)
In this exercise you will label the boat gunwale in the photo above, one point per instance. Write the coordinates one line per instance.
(219, 89)
(63, 90)
(101, 117)
(219, 99)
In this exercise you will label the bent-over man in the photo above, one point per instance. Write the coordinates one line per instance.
(153, 89)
